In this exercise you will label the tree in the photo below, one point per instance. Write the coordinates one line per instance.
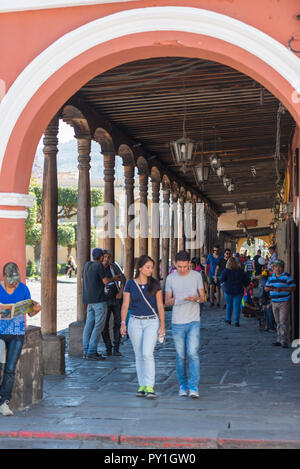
(67, 208)
(66, 236)
(34, 230)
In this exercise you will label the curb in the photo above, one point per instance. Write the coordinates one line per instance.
(157, 442)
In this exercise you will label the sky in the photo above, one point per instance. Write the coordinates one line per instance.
(65, 134)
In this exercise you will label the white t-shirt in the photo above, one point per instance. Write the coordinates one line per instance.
(181, 287)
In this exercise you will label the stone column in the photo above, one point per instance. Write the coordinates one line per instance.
(155, 228)
(165, 232)
(83, 240)
(193, 222)
(109, 200)
(199, 222)
(129, 217)
(181, 244)
(53, 346)
(143, 241)
(174, 226)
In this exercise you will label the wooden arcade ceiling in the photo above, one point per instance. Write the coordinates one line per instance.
(227, 110)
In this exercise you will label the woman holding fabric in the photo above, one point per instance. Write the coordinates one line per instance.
(12, 331)
(143, 296)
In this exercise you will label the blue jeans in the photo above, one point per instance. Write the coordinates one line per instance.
(269, 317)
(143, 336)
(14, 344)
(187, 343)
(95, 321)
(233, 303)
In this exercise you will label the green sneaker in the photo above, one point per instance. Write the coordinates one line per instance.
(150, 394)
(141, 392)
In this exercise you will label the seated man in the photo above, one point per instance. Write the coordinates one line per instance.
(249, 310)
(269, 321)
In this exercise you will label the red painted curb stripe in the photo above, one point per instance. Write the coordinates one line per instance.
(144, 441)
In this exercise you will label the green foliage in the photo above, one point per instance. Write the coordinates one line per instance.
(66, 235)
(31, 269)
(93, 236)
(68, 200)
(67, 208)
(33, 228)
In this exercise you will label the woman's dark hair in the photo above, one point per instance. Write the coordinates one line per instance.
(153, 284)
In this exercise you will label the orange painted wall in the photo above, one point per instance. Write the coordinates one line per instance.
(23, 35)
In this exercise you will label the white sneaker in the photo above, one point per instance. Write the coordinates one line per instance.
(5, 410)
(182, 391)
(194, 394)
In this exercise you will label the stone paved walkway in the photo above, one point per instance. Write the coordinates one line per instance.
(249, 396)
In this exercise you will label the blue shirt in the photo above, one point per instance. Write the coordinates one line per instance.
(14, 326)
(138, 306)
(212, 262)
(283, 281)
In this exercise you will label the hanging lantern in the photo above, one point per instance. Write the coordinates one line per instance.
(215, 162)
(201, 173)
(226, 181)
(183, 150)
(220, 171)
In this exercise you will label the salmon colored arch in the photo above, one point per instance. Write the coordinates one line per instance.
(49, 98)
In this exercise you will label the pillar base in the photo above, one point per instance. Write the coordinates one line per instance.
(75, 338)
(54, 354)
(28, 385)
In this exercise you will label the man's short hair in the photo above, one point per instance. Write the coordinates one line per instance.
(97, 253)
(182, 256)
(106, 251)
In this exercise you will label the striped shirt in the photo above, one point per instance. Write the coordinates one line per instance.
(283, 281)
(248, 266)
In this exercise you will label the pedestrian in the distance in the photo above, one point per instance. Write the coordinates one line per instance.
(234, 279)
(184, 291)
(143, 296)
(94, 279)
(219, 269)
(211, 264)
(273, 257)
(12, 331)
(114, 294)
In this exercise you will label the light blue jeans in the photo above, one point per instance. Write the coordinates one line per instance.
(95, 321)
(187, 343)
(143, 336)
(233, 303)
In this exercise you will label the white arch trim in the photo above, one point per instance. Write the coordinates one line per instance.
(183, 19)
(14, 214)
(12, 199)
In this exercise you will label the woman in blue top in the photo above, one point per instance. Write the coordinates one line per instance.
(143, 296)
(234, 279)
(12, 331)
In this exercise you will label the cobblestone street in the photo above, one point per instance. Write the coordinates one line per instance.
(249, 392)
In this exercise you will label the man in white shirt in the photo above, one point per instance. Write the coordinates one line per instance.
(184, 291)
